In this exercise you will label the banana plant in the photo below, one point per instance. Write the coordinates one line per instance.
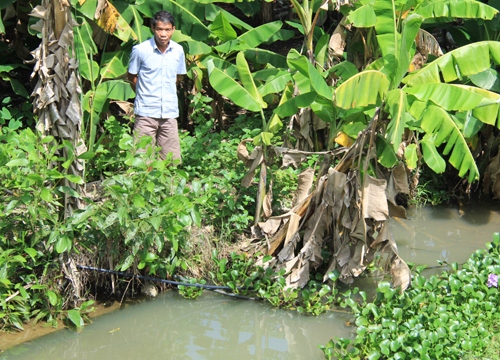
(241, 88)
(228, 36)
(308, 12)
(106, 80)
(384, 102)
(430, 100)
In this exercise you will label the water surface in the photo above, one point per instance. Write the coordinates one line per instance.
(211, 327)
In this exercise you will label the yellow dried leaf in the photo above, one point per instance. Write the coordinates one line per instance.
(108, 19)
(343, 140)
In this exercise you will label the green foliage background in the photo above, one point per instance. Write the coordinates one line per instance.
(141, 215)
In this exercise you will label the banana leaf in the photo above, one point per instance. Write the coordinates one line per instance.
(411, 156)
(290, 106)
(266, 57)
(188, 15)
(4, 4)
(107, 17)
(464, 9)
(211, 12)
(386, 155)
(96, 102)
(133, 16)
(457, 63)
(85, 48)
(222, 29)
(304, 66)
(194, 48)
(406, 49)
(431, 156)
(487, 79)
(363, 89)
(451, 97)
(276, 83)
(251, 39)
(247, 80)
(114, 64)
(442, 128)
(228, 87)
(363, 17)
(397, 104)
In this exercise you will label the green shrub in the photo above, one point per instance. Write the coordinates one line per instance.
(144, 217)
(32, 233)
(140, 219)
(211, 158)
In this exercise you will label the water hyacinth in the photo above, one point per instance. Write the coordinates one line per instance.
(492, 280)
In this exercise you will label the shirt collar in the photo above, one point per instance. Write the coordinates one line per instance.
(155, 47)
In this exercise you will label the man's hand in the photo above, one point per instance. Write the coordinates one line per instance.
(133, 80)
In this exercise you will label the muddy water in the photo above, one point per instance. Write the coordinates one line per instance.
(450, 234)
(218, 327)
(210, 327)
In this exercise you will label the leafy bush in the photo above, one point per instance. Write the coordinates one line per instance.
(109, 156)
(445, 316)
(139, 219)
(15, 116)
(31, 232)
(211, 158)
(144, 214)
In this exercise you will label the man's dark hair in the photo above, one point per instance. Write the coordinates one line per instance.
(164, 17)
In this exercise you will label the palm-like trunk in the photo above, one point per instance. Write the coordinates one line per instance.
(267, 12)
(57, 92)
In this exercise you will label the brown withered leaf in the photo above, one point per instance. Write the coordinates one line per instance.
(288, 251)
(305, 182)
(427, 44)
(338, 39)
(255, 159)
(126, 106)
(242, 152)
(400, 179)
(107, 17)
(268, 210)
(491, 181)
(374, 199)
(394, 187)
(356, 264)
(401, 274)
(299, 276)
(39, 12)
(346, 214)
(293, 226)
(270, 226)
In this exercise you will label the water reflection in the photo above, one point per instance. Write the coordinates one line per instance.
(446, 233)
(211, 327)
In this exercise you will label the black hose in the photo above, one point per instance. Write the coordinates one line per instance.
(171, 282)
(215, 288)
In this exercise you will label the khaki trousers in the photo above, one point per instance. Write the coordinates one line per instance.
(164, 132)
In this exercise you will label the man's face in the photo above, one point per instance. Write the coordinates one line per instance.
(163, 33)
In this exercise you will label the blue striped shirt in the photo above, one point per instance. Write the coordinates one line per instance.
(156, 91)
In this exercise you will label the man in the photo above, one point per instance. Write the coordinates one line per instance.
(155, 66)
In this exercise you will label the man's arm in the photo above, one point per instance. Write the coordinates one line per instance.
(133, 80)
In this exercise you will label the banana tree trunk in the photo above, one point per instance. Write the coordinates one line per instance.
(267, 11)
(57, 93)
